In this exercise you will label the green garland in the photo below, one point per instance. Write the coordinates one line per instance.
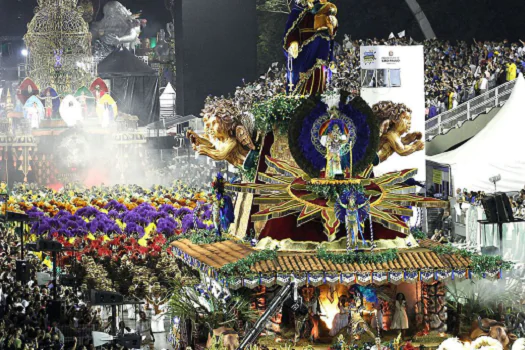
(358, 257)
(197, 237)
(249, 174)
(332, 192)
(275, 112)
(243, 266)
(479, 264)
(418, 234)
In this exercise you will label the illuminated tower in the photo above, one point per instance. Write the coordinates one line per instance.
(59, 45)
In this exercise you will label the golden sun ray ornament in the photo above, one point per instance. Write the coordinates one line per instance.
(287, 193)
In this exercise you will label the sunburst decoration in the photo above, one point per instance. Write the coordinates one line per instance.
(287, 193)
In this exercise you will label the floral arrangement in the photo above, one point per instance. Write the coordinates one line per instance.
(136, 212)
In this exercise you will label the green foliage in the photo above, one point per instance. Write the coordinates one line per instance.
(479, 264)
(242, 266)
(200, 236)
(211, 313)
(275, 6)
(418, 234)
(275, 112)
(485, 298)
(358, 257)
(270, 38)
(332, 192)
(247, 175)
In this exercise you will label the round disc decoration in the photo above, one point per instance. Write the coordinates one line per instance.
(338, 141)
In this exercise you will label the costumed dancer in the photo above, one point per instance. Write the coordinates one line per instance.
(377, 322)
(33, 115)
(400, 320)
(358, 325)
(222, 206)
(352, 208)
(310, 301)
(341, 318)
(309, 46)
(48, 105)
(157, 306)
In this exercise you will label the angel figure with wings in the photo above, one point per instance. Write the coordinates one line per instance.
(227, 134)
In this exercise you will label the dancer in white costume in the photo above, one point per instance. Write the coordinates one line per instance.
(33, 115)
(157, 306)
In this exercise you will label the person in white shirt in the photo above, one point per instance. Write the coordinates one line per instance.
(144, 329)
(483, 85)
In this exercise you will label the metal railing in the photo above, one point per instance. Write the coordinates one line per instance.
(469, 110)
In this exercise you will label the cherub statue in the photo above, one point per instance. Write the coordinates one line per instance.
(226, 135)
(396, 121)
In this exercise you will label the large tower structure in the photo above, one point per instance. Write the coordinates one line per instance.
(59, 45)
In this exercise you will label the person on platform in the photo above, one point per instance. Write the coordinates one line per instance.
(400, 320)
(519, 199)
(144, 329)
(341, 318)
(311, 301)
(357, 323)
(83, 103)
(309, 46)
(48, 105)
(33, 114)
(439, 236)
(446, 225)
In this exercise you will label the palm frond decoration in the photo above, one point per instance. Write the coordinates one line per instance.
(204, 310)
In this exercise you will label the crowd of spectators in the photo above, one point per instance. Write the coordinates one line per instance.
(458, 72)
(25, 320)
(454, 72)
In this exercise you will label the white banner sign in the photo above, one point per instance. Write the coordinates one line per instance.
(380, 57)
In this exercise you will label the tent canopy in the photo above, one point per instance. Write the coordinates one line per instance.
(134, 85)
(495, 150)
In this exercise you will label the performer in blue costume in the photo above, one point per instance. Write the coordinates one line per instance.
(222, 207)
(353, 208)
(308, 45)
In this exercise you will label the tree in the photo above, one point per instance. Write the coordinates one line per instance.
(275, 6)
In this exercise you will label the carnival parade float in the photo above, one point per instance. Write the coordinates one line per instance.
(64, 106)
(323, 247)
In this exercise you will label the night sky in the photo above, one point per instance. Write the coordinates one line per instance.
(15, 14)
(451, 19)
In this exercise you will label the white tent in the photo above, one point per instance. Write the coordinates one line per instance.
(498, 149)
